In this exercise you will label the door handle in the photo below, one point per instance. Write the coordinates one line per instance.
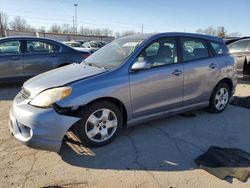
(53, 55)
(177, 72)
(14, 58)
(212, 65)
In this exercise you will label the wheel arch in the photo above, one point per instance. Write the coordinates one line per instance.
(115, 101)
(227, 81)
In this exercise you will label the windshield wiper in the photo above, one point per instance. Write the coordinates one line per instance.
(95, 65)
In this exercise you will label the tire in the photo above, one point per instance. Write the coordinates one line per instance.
(219, 100)
(96, 128)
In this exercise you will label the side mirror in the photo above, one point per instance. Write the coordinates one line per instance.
(141, 65)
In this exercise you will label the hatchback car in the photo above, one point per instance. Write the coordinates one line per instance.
(241, 51)
(24, 57)
(130, 80)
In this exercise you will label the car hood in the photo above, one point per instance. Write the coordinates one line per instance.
(59, 77)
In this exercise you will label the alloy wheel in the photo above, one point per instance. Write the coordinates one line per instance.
(221, 98)
(101, 125)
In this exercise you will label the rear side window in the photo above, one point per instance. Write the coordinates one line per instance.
(41, 47)
(10, 48)
(219, 49)
(193, 49)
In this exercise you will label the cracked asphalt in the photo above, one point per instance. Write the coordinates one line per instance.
(154, 154)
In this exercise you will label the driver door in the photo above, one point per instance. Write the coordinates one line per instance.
(159, 88)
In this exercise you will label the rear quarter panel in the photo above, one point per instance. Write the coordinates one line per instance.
(228, 69)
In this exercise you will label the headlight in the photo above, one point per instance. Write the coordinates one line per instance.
(48, 97)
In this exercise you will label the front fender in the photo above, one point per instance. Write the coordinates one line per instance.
(86, 91)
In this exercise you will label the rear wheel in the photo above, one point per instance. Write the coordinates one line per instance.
(100, 124)
(220, 98)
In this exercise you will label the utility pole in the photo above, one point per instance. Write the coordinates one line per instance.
(142, 28)
(75, 17)
(73, 28)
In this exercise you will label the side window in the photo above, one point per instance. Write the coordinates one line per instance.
(41, 47)
(193, 49)
(239, 46)
(152, 49)
(161, 52)
(220, 49)
(10, 47)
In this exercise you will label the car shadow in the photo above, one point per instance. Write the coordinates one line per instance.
(244, 80)
(9, 91)
(169, 144)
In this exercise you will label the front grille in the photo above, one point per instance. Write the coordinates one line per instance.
(25, 94)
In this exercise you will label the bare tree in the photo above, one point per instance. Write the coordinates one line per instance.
(41, 29)
(127, 33)
(234, 34)
(106, 32)
(84, 31)
(55, 28)
(219, 31)
(67, 28)
(3, 23)
(18, 24)
(209, 31)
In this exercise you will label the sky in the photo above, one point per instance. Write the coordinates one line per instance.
(121, 15)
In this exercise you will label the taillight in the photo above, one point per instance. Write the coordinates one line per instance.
(85, 55)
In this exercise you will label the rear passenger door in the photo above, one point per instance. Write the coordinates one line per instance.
(11, 59)
(201, 71)
(40, 56)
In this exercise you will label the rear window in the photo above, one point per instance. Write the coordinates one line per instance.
(219, 49)
(41, 47)
(193, 49)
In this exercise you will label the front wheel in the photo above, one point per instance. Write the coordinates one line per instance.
(100, 124)
(220, 98)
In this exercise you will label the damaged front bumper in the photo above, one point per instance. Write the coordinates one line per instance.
(37, 127)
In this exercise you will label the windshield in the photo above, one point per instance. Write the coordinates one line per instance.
(114, 53)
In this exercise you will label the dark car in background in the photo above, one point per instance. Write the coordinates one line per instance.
(240, 49)
(24, 57)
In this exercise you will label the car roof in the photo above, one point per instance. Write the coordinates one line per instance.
(28, 37)
(230, 40)
(239, 40)
(182, 34)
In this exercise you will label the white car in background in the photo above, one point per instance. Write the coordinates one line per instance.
(92, 46)
(77, 46)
